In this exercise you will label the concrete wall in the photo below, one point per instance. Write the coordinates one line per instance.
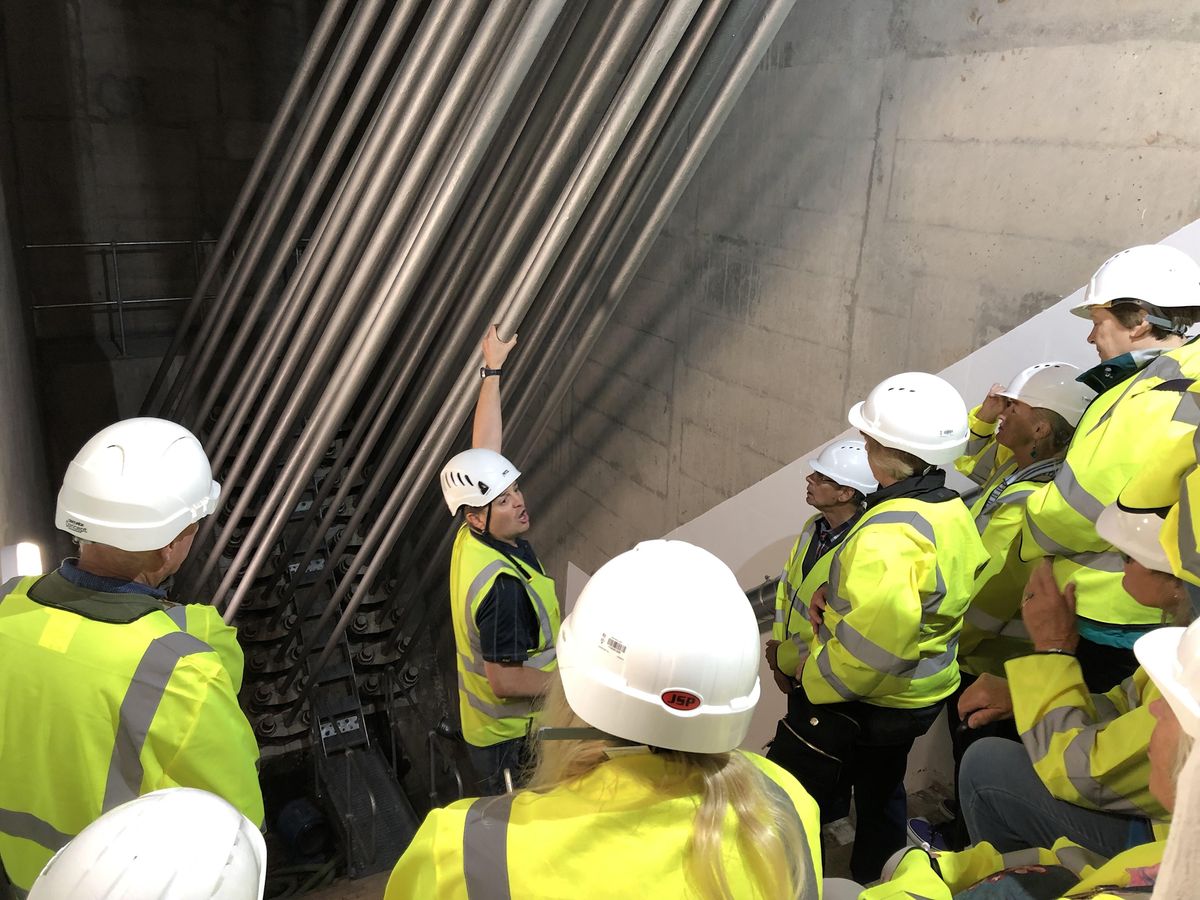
(903, 181)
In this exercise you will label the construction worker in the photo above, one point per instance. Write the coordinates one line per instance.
(1020, 433)
(1082, 771)
(174, 844)
(638, 789)
(1171, 659)
(502, 603)
(837, 488)
(108, 690)
(887, 623)
(1141, 303)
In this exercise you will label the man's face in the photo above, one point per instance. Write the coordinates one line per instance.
(510, 518)
(823, 492)
(1108, 335)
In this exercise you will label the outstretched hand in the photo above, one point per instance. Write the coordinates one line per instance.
(495, 351)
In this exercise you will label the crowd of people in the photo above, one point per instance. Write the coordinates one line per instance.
(1045, 611)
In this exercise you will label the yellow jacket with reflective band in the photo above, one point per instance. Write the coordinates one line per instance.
(1128, 427)
(474, 567)
(792, 596)
(1121, 878)
(1088, 749)
(614, 833)
(993, 632)
(899, 584)
(986, 461)
(96, 713)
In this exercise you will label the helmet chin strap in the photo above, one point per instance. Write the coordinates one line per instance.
(487, 521)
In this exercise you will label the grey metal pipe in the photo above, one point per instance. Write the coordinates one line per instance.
(364, 190)
(638, 83)
(763, 33)
(413, 95)
(291, 100)
(278, 193)
(437, 298)
(604, 223)
(373, 331)
(380, 59)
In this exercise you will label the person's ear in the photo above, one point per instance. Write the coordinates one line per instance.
(1140, 330)
(474, 519)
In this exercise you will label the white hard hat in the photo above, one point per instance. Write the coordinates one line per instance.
(846, 463)
(136, 485)
(1052, 386)
(173, 844)
(476, 477)
(1135, 533)
(662, 649)
(919, 413)
(1171, 657)
(1152, 273)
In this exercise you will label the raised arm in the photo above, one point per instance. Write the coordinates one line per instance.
(488, 431)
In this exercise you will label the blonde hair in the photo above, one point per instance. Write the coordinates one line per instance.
(768, 833)
(897, 464)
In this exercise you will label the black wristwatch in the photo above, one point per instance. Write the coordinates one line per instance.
(484, 372)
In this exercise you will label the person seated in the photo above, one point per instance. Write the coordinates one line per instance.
(1083, 770)
(638, 788)
(1167, 867)
(1030, 424)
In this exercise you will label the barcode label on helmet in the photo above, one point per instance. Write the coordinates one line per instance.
(612, 645)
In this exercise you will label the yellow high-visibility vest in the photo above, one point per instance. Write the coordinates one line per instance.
(1127, 428)
(474, 567)
(103, 698)
(899, 585)
(792, 595)
(612, 833)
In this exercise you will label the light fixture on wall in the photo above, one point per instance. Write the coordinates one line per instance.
(20, 559)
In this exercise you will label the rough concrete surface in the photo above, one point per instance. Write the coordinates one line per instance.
(901, 183)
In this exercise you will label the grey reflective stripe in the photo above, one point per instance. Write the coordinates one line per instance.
(485, 574)
(485, 848)
(1100, 560)
(1077, 760)
(1132, 696)
(839, 686)
(1079, 858)
(977, 618)
(932, 665)
(1015, 629)
(930, 603)
(1076, 495)
(1187, 412)
(1056, 721)
(516, 709)
(835, 602)
(1049, 546)
(9, 586)
(778, 615)
(824, 633)
(472, 665)
(987, 462)
(138, 708)
(178, 615)
(1019, 858)
(1106, 710)
(542, 659)
(31, 828)
(868, 652)
(799, 642)
(801, 864)
(1159, 366)
(1189, 551)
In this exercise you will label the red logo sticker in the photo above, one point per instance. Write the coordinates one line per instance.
(683, 700)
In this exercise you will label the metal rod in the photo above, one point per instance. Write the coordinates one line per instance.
(291, 99)
(278, 192)
(403, 275)
(710, 124)
(381, 58)
(638, 83)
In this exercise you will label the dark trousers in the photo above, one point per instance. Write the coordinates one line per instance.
(874, 771)
(491, 763)
(1104, 667)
